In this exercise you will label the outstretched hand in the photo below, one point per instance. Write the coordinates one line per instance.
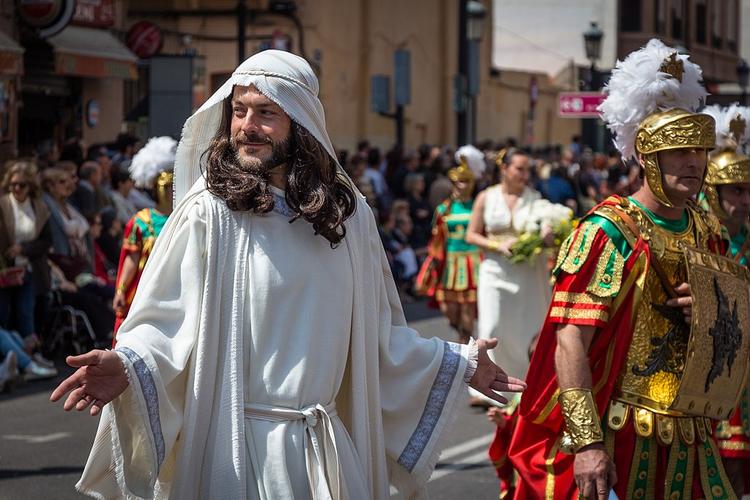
(489, 377)
(100, 378)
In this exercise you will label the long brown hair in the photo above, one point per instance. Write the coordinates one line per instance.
(316, 190)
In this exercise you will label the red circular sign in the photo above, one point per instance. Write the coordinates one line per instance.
(39, 13)
(145, 39)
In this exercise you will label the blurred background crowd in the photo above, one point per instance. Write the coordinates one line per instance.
(404, 187)
(63, 213)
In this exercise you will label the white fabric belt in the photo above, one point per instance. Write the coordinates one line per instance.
(321, 455)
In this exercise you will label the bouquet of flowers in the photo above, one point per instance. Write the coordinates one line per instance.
(551, 216)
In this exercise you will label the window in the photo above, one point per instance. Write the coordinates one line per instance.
(660, 17)
(716, 19)
(701, 17)
(630, 16)
(732, 16)
(678, 20)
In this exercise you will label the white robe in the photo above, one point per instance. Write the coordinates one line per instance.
(179, 430)
(512, 299)
(296, 351)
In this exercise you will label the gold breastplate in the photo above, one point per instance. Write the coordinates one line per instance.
(656, 357)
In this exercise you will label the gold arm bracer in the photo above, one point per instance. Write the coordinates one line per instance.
(582, 423)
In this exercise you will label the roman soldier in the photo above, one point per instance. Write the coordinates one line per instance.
(727, 195)
(621, 396)
(152, 170)
(450, 272)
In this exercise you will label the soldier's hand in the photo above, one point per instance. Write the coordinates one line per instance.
(684, 301)
(594, 472)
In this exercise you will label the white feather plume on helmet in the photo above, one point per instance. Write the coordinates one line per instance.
(157, 156)
(474, 159)
(728, 135)
(638, 87)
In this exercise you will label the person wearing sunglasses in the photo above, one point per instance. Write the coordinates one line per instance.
(25, 239)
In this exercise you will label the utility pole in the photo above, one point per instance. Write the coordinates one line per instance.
(463, 73)
(241, 23)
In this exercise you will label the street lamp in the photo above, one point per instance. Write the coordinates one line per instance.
(475, 13)
(470, 27)
(592, 42)
(743, 72)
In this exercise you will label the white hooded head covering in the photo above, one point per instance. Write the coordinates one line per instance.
(286, 79)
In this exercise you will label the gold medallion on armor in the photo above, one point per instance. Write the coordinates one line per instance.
(718, 347)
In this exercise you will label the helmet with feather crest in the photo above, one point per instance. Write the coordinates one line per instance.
(152, 169)
(727, 164)
(651, 104)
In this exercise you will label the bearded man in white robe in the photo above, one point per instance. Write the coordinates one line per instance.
(266, 354)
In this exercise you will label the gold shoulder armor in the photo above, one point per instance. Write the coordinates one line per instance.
(608, 264)
(707, 225)
(628, 208)
(575, 249)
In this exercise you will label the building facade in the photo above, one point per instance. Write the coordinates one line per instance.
(349, 41)
(709, 30)
(62, 73)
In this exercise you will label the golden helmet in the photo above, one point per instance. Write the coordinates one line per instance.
(727, 164)
(651, 106)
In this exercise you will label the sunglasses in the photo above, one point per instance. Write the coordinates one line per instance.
(20, 185)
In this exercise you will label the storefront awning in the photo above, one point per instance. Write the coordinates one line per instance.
(11, 56)
(92, 53)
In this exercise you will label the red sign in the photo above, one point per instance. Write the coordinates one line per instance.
(145, 39)
(49, 17)
(579, 104)
(39, 13)
(94, 13)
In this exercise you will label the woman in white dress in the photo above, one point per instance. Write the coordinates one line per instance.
(512, 298)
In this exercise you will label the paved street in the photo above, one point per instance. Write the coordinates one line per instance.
(43, 449)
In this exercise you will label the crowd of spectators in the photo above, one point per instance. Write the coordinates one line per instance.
(405, 186)
(62, 215)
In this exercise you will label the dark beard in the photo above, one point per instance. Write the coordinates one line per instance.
(279, 156)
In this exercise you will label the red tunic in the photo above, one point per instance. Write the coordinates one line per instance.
(580, 299)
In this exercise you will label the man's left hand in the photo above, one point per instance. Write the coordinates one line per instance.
(490, 378)
(683, 301)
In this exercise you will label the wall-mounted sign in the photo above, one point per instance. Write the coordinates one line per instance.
(144, 38)
(579, 104)
(49, 17)
(92, 113)
(94, 13)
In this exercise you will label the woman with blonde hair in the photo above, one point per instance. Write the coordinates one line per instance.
(71, 247)
(24, 242)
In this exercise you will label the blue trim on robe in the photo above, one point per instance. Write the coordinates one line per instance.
(150, 395)
(280, 206)
(434, 409)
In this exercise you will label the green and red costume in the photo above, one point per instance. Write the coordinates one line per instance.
(599, 279)
(139, 237)
(451, 270)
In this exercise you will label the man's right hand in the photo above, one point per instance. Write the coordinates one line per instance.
(100, 378)
(594, 472)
